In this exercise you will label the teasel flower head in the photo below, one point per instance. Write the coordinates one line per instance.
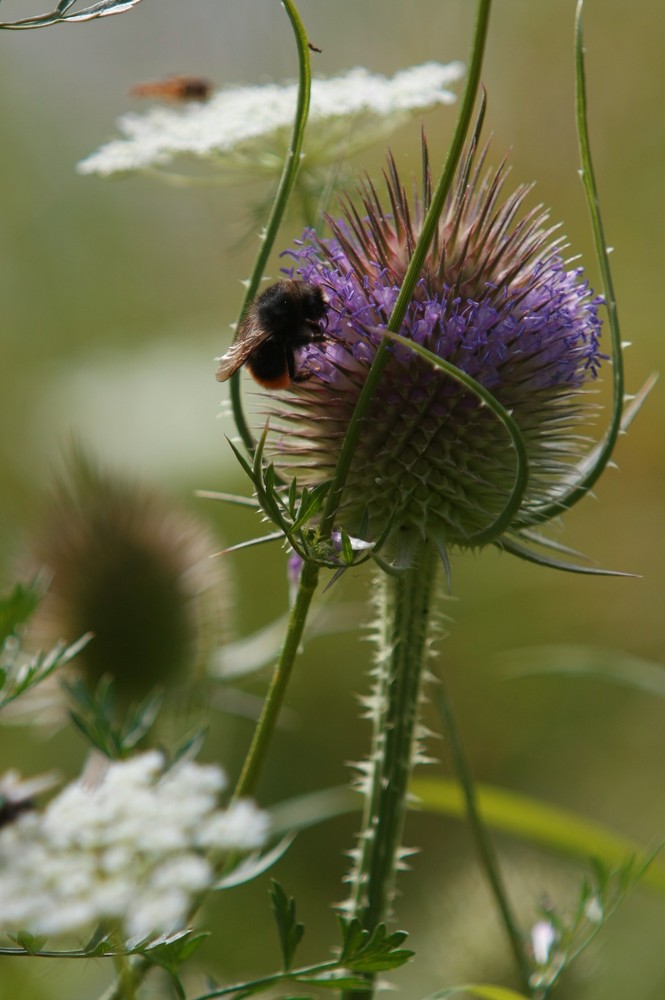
(133, 570)
(497, 300)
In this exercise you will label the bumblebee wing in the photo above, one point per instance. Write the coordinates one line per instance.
(235, 358)
(250, 336)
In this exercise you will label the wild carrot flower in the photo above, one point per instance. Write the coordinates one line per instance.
(236, 127)
(496, 299)
(135, 849)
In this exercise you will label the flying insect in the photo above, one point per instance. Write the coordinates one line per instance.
(178, 89)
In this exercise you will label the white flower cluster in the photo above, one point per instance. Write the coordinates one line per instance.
(133, 849)
(234, 117)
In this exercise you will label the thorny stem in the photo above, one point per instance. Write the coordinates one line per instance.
(403, 643)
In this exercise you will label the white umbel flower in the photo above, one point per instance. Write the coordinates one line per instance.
(239, 116)
(135, 849)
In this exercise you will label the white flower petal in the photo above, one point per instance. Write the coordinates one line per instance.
(240, 115)
(129, 848)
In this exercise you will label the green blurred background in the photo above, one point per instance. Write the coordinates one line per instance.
(116, 296)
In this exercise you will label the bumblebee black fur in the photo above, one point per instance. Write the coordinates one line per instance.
(288, 315)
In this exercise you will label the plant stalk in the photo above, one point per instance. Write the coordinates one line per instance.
(403, 636)
(282, 195)
(483, 841)
(265, 728)
(416, 263)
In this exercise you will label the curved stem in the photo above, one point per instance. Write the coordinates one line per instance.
(402, 636)
(603, 454)
(266, 725)
(415, 264)
(484, 845)
(284, 189)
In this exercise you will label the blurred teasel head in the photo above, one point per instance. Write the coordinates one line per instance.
(516, 325)
(131, 569)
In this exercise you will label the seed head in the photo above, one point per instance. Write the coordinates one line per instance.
(132, 569)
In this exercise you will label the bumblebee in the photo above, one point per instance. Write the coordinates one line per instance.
(288, 315)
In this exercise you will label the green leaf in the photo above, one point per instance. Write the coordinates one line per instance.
(20, 673)
(241, 458)
(32, 943)
(353, 937)
(479, 990)
(269, 478)
(595, 662)
(274, 536)
(538, 822)
(237, 659)
(255, 864)
(519, 815)
(377, 951)
(99, 943)
(140, 719)
(18, 606)
(289, 929)
(191, 746)
(308, 810)
(293, 496)
(331, 981)
(348, 554)
(94, 715)
(311, 502)
(172, 951)
(528, 555)
(232, 498)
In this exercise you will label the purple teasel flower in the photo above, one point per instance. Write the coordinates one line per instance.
(497, 300)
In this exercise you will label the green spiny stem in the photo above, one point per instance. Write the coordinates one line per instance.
(403, 634)
(484, 845)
